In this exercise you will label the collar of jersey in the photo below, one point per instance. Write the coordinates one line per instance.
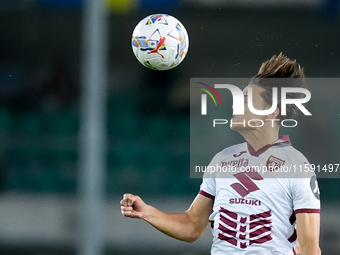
(282, 139)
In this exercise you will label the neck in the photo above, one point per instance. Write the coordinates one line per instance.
(259, 138)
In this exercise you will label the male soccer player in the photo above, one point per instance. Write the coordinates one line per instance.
(253, 212)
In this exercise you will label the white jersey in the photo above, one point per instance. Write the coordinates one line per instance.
(254, 212)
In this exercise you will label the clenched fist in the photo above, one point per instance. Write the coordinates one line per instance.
(133, 206)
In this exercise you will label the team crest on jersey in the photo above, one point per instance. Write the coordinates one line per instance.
(274, 163)
(244, 231)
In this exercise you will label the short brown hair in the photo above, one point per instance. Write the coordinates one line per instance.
(280, 67)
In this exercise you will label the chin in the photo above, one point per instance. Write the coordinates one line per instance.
(236, 126)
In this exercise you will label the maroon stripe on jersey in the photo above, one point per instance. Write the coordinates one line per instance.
(243, 228)
(227, 230)
(293, 237)
(228, 222)
(259, 231)
(228, 239)
(254, 175)
(285, 138)
(259, 223)
(306, 210)
(260, 151)
(203, 193)
(243, 245)
(229, 213)
(261, 240)
(292, 218)
(240, 188)
(244, 179)
(260, 215)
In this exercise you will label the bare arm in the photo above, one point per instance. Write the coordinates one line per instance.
(186, 226)
(308, 231)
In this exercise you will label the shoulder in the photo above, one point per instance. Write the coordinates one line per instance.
(297, 163)
(288, 152)
(292, 154)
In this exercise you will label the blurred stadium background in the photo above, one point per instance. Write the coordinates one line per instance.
(147, 118)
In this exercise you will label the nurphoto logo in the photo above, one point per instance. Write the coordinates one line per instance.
(238, 102)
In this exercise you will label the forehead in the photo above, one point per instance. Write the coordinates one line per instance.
(255, 89)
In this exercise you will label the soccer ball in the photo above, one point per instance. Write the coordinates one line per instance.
(160, 42)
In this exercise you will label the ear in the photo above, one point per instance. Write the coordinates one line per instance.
(274, 114)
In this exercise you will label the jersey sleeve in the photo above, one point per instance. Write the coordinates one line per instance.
(208, 186)
(306, 195)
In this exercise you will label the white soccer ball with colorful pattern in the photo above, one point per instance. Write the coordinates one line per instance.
(160, 42)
